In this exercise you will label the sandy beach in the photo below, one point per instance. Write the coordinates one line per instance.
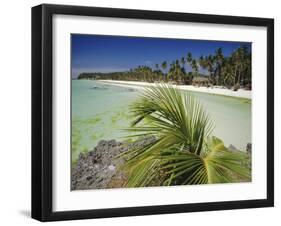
(241, 93)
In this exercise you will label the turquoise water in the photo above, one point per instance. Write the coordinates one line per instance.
(101, 111)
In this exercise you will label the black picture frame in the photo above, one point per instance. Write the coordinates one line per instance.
(42, 111)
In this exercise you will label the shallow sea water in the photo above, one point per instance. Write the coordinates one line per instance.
(100, 111)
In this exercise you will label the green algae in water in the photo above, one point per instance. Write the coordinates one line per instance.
(103, 114)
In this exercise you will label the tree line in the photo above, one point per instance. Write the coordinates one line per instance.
(229, 71)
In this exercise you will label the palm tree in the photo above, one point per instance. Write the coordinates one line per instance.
(247, 73)
(182, 151)
(202, 62)
(183, 61)
(209, 61)
(227, 72)
(171, 71)
(164, 66)
(218, 60)
(244, 62)
(176, 71)
(189, 57)
(194, 66)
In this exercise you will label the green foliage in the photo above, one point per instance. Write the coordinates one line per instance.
(221, 70)
(183, 152)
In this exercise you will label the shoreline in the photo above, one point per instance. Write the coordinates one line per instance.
(241, 93)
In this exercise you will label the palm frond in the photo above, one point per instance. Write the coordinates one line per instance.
(168, 110)
(183, 151)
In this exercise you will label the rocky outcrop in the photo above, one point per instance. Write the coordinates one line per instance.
(249, 149)
(99, 168)
(232, 148)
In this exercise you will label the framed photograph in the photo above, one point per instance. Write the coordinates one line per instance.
(146, 112)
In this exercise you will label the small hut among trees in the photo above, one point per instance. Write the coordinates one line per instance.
(201, 81)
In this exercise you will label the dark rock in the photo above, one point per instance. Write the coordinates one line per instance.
(89, 177)
(249, 148)
(232, 148)
(99, 168)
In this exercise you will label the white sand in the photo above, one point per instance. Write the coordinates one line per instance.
(241, 93)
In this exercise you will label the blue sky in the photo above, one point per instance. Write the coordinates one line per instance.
(99, 53)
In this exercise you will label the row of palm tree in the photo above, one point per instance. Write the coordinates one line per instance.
(222, 70)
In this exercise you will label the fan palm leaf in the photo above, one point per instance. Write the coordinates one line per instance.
(183, 151)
